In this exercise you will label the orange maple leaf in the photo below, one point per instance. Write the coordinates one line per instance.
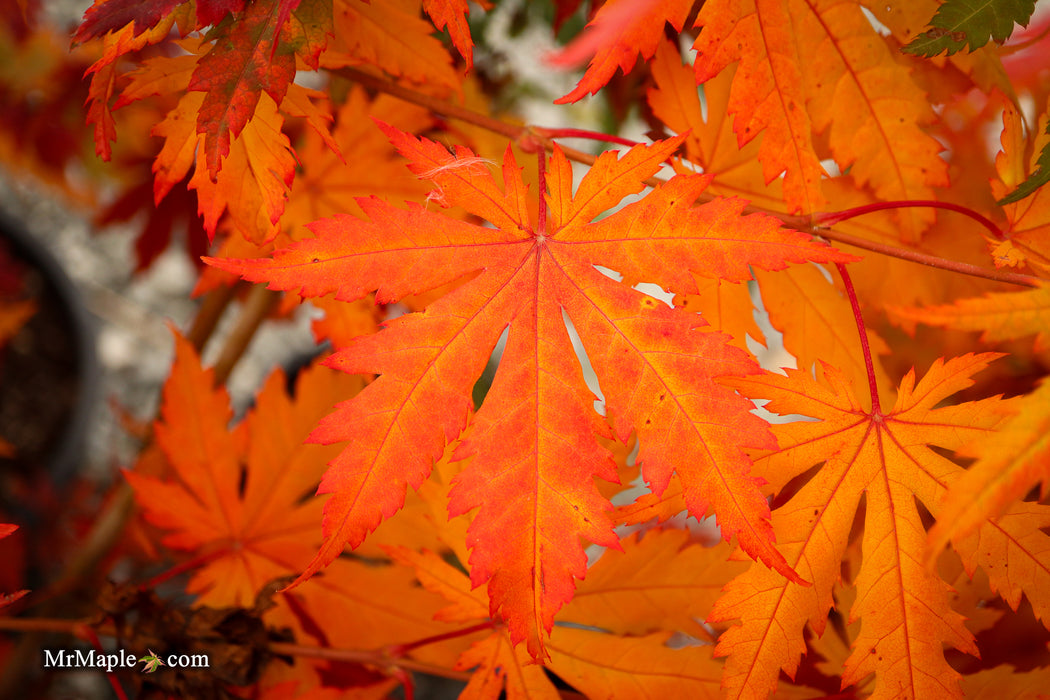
(886, 458)
(452, 14)
(768, 91)
(1029, 218)
(534, 439)
(253, 184)
(811, 66)
(247, 523)
(619, 32)
(1000, 316)
(1010, 464)
(393, 38)
(614, 641)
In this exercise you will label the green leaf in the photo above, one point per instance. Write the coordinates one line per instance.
(970, 23)
(1036, 180)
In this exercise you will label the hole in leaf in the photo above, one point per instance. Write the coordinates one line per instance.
(589, 375)
(484, 382)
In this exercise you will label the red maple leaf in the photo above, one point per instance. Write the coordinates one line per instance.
(533, 442)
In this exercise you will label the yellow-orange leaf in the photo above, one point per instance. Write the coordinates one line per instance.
(498, 667)
(1010, 464)
(1000, 316)
(1029, 218)
(392, 37)
(247, 535)
(904, 610)
(768, 95)
(815, 66)
(633, 668)
(872, 110)
(710, 143)
(613, 656)
(659, 582)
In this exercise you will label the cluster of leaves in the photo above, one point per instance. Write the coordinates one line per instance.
(882, 526)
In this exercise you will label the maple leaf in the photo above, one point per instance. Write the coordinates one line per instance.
(1036, 180)
(392, 37)
(109, 15)
(970, 24)
(1029, 218)
(619, 32)
(768, 91)
(886, 458)
(307, 29)
(533, 441)
(104, 73)
(249, 521)
(453, 15)
(1000, 316)
(355, 161)
(813, 66)
(615, 632)
(658, 582)
(152, 662)
(378, 604)
(252, 186)
(1010, 464)
(244, 62)
(710, 143)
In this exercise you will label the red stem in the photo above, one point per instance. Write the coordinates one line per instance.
(188, 565)
(405, 678)
(800, 223)
(835, 217)
(97, 643)
(873, 387)
(401, 650)
(583, 134)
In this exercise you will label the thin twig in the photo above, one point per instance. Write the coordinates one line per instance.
(211, 309)
(257, 306)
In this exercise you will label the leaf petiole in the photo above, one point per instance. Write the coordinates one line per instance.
(836, 217)
(869, 366)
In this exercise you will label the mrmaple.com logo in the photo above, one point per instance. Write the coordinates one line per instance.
(90, 658)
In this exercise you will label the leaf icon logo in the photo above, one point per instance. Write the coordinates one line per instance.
(152, 662)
